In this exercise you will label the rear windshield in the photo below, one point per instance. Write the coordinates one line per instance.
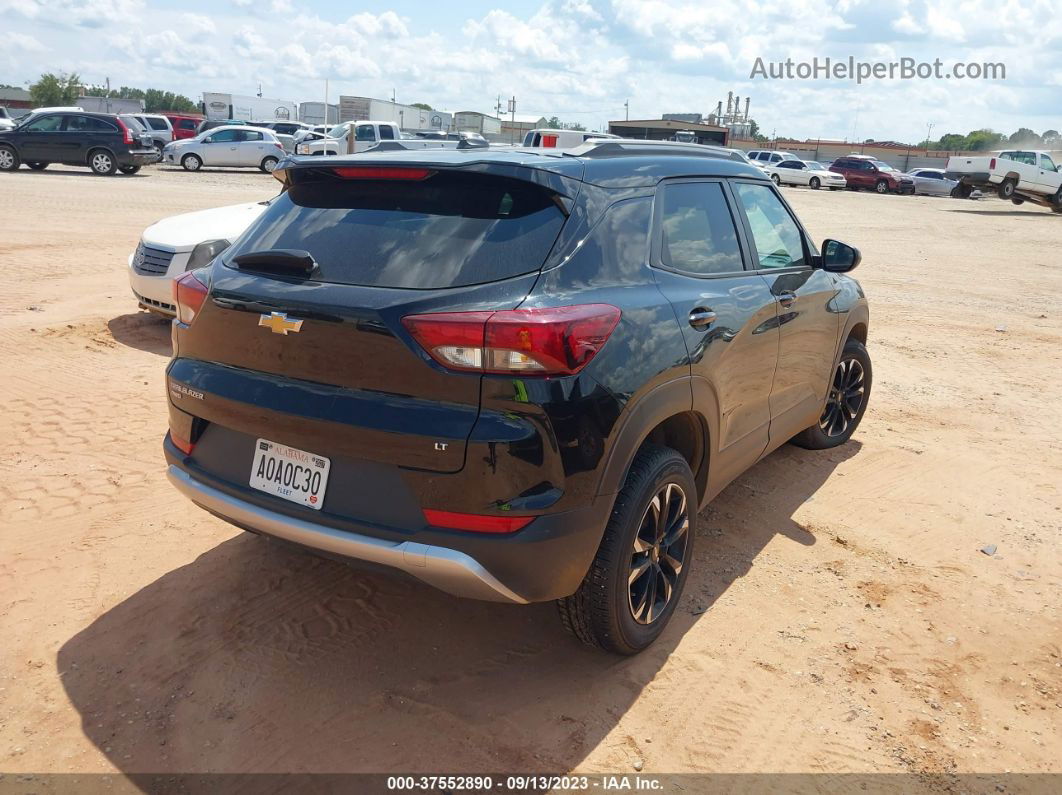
(448, 230)
(133, 123)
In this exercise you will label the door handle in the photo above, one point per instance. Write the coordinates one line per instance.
(786, 298)
(702, 317)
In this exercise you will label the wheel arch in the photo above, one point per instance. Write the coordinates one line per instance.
(99, 148)
(664, 416)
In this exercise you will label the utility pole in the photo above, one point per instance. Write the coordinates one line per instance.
(108, 94)
(929, 132)
(259, 90)
(512, 117)
(627, 110)
(326, 121)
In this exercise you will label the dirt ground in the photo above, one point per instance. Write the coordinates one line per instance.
(841, 615)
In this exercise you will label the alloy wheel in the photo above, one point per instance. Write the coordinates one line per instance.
(658, 554)
(846, 398)
(101, 162)
(7, 160)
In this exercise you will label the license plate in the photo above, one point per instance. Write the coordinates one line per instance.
(289, 473)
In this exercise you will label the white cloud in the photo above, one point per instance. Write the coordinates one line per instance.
(198, 22)
(282, 6)
(23, 42)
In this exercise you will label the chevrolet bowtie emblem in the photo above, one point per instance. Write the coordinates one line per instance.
(278, 323)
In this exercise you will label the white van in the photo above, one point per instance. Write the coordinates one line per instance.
(766, 157)
(561, 139)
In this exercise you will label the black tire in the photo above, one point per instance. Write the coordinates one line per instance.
(814, 183)
(1006, 188)
(602, 612)
(1018, 201)
(9, 159)
(158, 152)
(776, 179)
(841, 416)
(36, 165)
(881, 186)
(129, 169)
(834, 188)
(102, 162)
(268, 164)
(191, 162)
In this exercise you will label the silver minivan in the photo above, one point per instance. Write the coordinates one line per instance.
(229, 147)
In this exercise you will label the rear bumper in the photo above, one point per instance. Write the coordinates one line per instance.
(546, 560)
(137, 157)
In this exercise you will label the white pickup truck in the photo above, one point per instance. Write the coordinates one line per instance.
(1018, 175)
(367, 134)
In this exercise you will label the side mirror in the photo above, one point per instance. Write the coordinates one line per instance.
(838, 257)
(208, 140)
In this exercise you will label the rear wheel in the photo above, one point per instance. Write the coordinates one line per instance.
(881, 186)
(846, 403)
(1018, 201)
(1006, 188)
(268, 164)
(158, 152)
(636, 580)
(37, 165)
(191, 162)
(814, 184)
(102, 163)
(9, 159)
(776, 179)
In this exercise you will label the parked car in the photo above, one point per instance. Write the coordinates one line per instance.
(160, 128)
(282, 127)
(228, 147)
(932, 182)
(184, 126)
(367, 134)
(464, 365)
(8, 118)
(864, 171)
(770, 157)
(180, 243)
(314, 133)
(102, 142)
(561, 139)
(1017, 175)
(213, 124)
(805, 172)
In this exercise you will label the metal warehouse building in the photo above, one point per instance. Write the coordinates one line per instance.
(665, 129)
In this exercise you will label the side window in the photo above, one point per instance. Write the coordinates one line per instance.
(45, 124)
(188, 124)
(158, 124)
(698, 235)
(87, 124)
(779, 243)
(387, 134)
(1047, 163)
(224, 136)
(249, 135)
(364, 132)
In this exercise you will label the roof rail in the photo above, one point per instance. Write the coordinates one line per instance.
(612, 147)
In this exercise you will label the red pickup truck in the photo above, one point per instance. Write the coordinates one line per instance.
(184, 125)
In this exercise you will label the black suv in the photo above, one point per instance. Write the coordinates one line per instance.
(516, 375)
(101, 141)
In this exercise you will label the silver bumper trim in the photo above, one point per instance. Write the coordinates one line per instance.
(446, 569)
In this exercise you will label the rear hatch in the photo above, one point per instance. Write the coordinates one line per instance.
(320, 360)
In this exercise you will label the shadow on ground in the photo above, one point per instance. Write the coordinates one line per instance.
(259, 657)
(144, 331)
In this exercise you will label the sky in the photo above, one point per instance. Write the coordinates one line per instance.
(579, 60)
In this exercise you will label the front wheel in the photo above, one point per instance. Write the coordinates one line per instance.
(776, 179)
(268, 164)
(635, 581)
(881, 186)
(102, 163)
(191, 163)
(814, 184)
(37, 165)
(129, 169)
(9, 159)
(846, 403)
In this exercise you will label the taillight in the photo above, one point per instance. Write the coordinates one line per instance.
(183, 445)
(381, 172)
(991, 164)
(550, 341)
(127, 134)
(188, 296)
(476, 523)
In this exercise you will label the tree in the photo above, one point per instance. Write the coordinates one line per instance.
(982, 140)
(1025, 137)
(422, 106)
(553, 123)
(154, 99)
(754, 131)
(1051, 138)
(52, 89)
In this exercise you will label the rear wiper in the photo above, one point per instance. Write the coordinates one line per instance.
(281, 261)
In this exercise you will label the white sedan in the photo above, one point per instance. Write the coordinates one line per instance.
(182, 243)
(805, 172)
(231, 146)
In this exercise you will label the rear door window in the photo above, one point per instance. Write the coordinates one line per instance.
(448, 230)
(697, 232)
(387, 134)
